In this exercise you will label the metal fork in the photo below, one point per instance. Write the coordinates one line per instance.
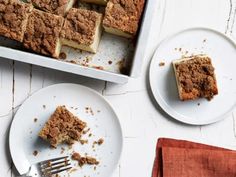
(49, 167)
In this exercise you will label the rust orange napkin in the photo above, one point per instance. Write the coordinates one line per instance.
(179, 158)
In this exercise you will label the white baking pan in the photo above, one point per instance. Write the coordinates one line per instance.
(107, 64)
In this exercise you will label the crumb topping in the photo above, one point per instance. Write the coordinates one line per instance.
(197, 75)
(53, 6)
(13, 19)
(124, 15)
(62, 126)
(42, 32)
(80, 25)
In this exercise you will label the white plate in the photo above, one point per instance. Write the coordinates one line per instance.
(195, 41)
(104, 124)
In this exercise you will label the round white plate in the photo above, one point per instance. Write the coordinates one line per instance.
(104, 124)
(222, 51)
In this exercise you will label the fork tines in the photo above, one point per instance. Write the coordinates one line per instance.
(54, 166)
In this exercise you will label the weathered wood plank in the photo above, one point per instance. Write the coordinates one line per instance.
(6, 97)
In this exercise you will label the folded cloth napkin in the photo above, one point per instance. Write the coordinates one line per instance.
(179, 158)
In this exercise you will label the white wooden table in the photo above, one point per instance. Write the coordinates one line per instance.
(141, 118)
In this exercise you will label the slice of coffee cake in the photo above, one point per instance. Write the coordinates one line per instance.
(122, 17)
(82, 29)
(61, 127)
(195, 77)
(42, 33)
(13, 18)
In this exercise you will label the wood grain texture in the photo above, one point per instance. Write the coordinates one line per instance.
(142, 119)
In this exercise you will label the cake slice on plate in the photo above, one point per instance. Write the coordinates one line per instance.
(13, 19)
(195, 77)
(42, 33)
(62, 127)
(82, 29)
(122, 17)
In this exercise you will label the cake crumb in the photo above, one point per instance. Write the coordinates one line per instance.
(162, 64)
(62, 55)
(100, 141)
(44, 106)
(86, 131)
(99, 67)
(198, 104)
(35, 119)
(83, 142)
(90, 134)
(76, 156)
(35, 153)
(72, 61)
(109, 62)
(62, 150)
(89, 110)
(84, 160)
(204, 40)
(72, 170)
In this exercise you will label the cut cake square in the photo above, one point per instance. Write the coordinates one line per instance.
(62, 127)
(82, 29)
(195, 77)
(13, 19)
(58, 7)
(42, 33)
(122, 17)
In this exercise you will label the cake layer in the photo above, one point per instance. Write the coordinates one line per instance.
(122, 17)
(195, 77)
(13, 19)
(42, 33)
(117, 32)
(99, 2)
(82, 29)
(58, 7)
